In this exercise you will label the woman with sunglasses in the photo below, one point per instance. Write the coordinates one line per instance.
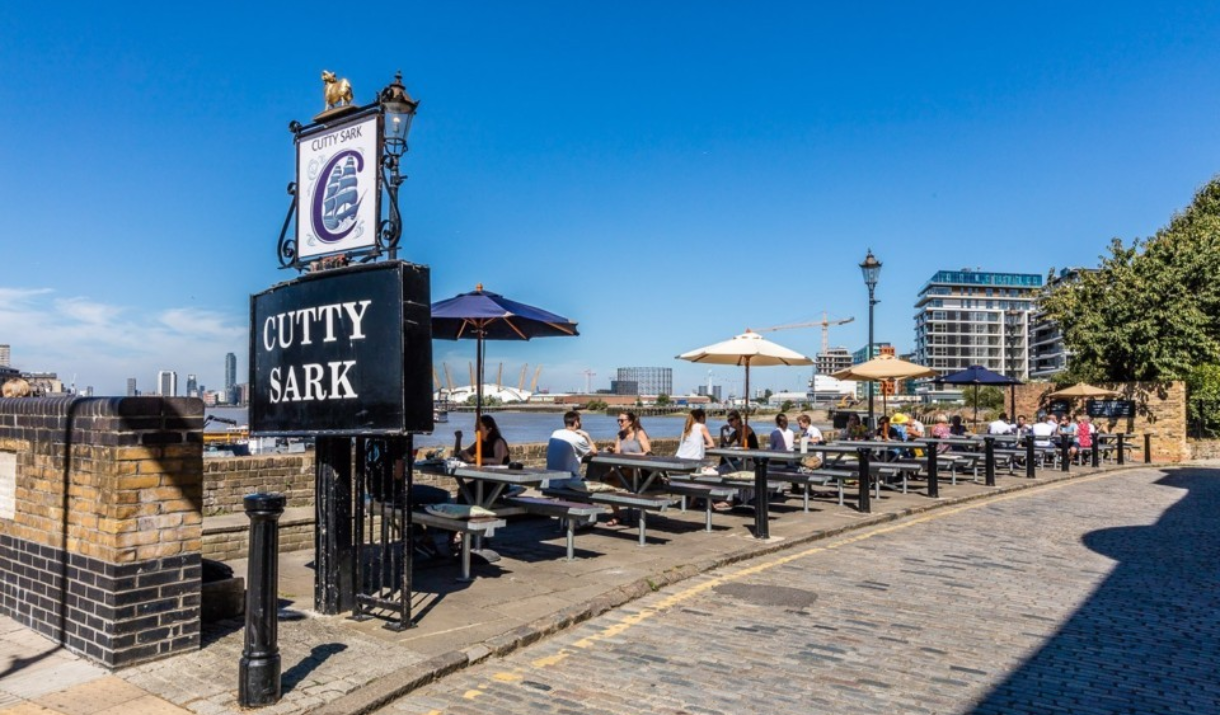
(632, 439)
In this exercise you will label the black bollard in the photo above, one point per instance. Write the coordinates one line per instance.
(864, 454)
(1147, 448)
(1121, 447)
(762, 498)
(1029, 457)
(933, 476)
(259, 669)
(1066, 452)
(1096, 452)
(989, 461)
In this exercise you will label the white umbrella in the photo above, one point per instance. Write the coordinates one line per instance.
(748, 349)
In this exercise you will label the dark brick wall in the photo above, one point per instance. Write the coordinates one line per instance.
(117, 614)
(104, 551)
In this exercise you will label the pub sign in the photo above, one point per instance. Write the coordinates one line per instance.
(338, 191)
(343, 352)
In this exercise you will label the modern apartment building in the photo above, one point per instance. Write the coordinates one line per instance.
(966, 317)
(131, 387)
(230, 371)
(167, 383)
(6, 356)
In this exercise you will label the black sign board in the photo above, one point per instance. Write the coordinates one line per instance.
(1111, 408)
(1059, 407)
(344, 352)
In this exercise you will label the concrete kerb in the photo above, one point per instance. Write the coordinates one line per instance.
(395, 685)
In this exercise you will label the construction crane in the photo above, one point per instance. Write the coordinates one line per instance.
(589, 375)
(825, 322)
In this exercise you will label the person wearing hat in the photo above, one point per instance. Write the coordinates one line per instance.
(899, 423)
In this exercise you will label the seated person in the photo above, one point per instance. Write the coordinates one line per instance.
(782, 438)
(805, 428)
(736, 428)
(495, 447)
(566, 449)
(899, 423)
(1000, 425)
(956, 428)
(855, 429)
(1043, 431)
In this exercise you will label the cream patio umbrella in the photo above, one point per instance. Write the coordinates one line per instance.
(1083, 389)
(748, 349)
(884, 367)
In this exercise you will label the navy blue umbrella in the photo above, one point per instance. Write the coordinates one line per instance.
(481, 316)
(978, 375)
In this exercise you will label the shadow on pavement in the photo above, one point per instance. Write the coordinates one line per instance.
(316, 657)
(1148, 639)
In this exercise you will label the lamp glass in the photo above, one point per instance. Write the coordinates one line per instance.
(397, 127)
(871, 269)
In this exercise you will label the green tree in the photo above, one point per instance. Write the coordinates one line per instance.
(989, 398)
(663, 400)
(787, 406)
(1152, 310)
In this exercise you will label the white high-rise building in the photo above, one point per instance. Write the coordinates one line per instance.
(966, 317)
(167, 383)
(6, 356)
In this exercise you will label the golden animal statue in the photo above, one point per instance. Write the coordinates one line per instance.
(338, 91)
(16, 387)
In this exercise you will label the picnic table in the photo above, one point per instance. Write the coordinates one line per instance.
(640, 473)
(761, 458)
(484, 486)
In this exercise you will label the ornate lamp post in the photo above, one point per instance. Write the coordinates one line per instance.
(871, 269)
(397, 109)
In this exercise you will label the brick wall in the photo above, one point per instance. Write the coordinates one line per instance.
(100, 541)
(1160, 411)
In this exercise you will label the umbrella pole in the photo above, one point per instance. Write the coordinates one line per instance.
(976, 405)
(745, 418)
(478, 402)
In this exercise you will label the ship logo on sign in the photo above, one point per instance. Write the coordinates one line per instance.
(333, 213)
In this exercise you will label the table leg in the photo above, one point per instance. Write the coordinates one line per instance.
(643, 527)
(465, 577)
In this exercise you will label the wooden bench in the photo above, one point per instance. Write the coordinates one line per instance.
(643, 503)
(466, 528)
(569, 513)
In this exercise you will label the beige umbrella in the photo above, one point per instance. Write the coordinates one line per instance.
(748, 349)
(884, 367)
(1083, 389)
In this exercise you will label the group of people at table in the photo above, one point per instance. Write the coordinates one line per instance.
(570, 446)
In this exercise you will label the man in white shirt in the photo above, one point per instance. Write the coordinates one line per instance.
(805, 423)
(567, 448)
(1000, 426)
(1044, 430)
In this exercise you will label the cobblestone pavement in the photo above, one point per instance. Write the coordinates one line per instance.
(1093, 596)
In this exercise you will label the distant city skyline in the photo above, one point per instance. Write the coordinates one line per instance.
(663, 192)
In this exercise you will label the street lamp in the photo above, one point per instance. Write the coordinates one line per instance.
(871, 269)
(397, 109)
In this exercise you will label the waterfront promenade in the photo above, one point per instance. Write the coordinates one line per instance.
(1003, 570)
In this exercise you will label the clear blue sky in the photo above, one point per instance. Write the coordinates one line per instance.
(667, 174)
